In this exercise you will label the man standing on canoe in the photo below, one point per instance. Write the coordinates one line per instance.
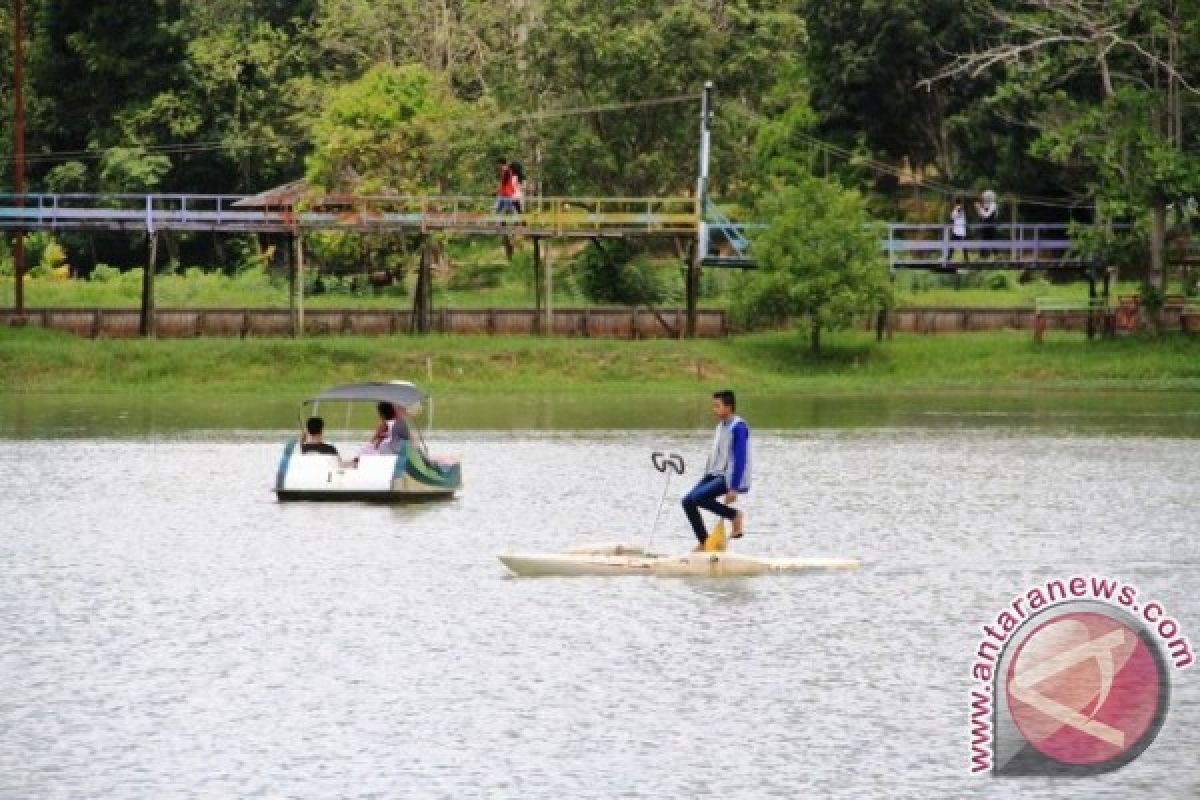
(727, 472)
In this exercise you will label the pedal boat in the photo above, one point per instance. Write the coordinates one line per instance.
(408, 475)
(621, 559)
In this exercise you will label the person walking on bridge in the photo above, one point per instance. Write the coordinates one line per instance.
(507, 188)
(727, 472)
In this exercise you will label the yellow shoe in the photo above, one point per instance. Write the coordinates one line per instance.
(716, 539)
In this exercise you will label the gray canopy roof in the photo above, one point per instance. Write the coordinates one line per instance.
(401, 393)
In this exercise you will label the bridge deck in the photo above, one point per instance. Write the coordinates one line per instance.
(557, 216)
(908, 246)
(1019, 246)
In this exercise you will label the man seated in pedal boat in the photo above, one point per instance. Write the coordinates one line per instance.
(313, 439)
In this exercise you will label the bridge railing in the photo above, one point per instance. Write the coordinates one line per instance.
(1035, 245)
(148, 212)
(153, 212)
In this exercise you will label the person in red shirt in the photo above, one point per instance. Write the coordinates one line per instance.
(507, 189)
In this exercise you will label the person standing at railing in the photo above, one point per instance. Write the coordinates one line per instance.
(987, 212)
(958, 230)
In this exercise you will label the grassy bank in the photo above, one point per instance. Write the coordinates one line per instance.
(43, 361)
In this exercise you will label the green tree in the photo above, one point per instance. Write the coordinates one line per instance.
(614, 272)
(1109, 86)
(819, 258)
(866, 57)
(252, 76)
(395, 130)
(463, 40)
(584, 54)
(90, 62)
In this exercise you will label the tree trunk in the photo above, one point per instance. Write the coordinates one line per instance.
(814, 338)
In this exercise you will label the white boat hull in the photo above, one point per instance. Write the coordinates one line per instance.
(626, 560)
(403, 477)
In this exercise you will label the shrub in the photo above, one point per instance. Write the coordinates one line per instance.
(475, 276)
(53, 257)
(999, 281)
(103, 273)
(615, 273)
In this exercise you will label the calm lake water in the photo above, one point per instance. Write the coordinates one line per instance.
(167, 629)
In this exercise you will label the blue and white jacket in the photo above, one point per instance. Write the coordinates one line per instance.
(730, 456)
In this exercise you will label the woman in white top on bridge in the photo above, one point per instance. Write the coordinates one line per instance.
(958, 231)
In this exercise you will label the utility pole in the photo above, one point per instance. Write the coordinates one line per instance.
(700, 250)
(19, 155)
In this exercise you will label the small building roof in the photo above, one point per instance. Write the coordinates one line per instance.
(285, 196)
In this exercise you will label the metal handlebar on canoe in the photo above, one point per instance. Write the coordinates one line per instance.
(668, 461)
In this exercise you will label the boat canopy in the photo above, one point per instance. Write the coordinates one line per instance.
(401, 393)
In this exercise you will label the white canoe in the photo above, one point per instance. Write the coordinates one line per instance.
(632, 560)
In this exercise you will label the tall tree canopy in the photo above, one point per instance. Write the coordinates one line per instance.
(1107, 85)
(1073, 101)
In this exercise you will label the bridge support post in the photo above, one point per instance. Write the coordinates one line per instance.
(423, 295)
(18, 275)
(1108, 314)
(548, 295)
(296, 287)
(693, 289)
(1091, 314)
(537, 286)
(146, 319)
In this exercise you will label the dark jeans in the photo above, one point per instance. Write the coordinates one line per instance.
(704, 495)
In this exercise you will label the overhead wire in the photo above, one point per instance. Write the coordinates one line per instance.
(856, 158)
(187, 148)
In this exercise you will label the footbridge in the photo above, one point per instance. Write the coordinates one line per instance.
(545, 217)
(706, 231)
(712, 239)
(725, 242)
